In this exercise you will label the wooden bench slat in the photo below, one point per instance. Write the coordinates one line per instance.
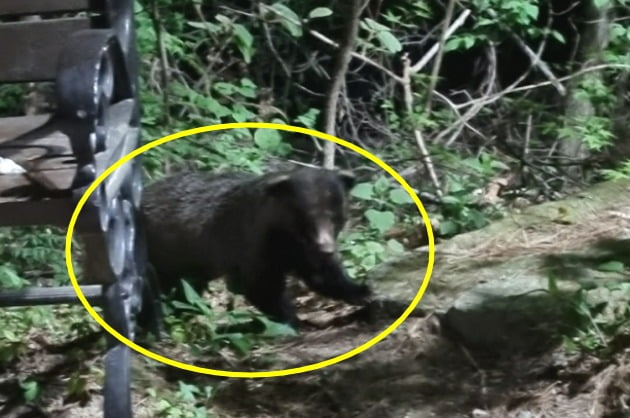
(46, 153)
(39, 143)
(12, 127)
(55, 212)
(30, 7)
(33, 50)
(49, 295)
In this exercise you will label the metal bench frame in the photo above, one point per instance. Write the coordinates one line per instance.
(88, 49)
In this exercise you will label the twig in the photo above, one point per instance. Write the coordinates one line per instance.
(478, 104)
(528, 135)
(164, 78)
(408, 70)
(438, 59)
(273, 48)
(458, 126)
(355, 54)
(513, 89)
(434, 49)
(424, 153)
(482, 373)
(456, 111)
(535, 58)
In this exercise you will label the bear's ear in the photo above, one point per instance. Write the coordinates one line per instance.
(347, 178)
(278, 185)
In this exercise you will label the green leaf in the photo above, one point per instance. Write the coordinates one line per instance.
(375, 247)
(238, 341)
(363, 191)
(187, 392)
(210, 27)
(395, 247)
(276, 329)
(374, 26)
(319, 12)
(241, 114)
(190, 293)
(448, 228)
(31, 390)
(223, 19)
(9, 279)
(267, 139)
(601, 3)
(290, 20)
(531, 10)
(369, 262)
(226, 89)
(380, 220)
(163, 405)
(183, 306)
(460, 43)
(381, 185)
(389, 41)
(451, 200)
(192, 297)
(247, 88)
(216, 108)
(612, 266)
(558, 36)
(309, 118)
(400, 196)
(244, 41)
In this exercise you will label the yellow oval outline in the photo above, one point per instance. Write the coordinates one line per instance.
(260, 374)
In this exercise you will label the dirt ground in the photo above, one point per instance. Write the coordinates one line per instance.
(416, 372)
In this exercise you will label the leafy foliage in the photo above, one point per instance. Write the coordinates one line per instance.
(388, 205)
(207, 330)
(204, 63)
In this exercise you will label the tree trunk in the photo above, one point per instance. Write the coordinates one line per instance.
(593, 40)
(346, 46)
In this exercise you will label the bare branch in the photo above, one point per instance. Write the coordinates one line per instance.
(458, 126)
(434, 49)
(355, 54)
(438, 59)
(424, 153)
(535, 58)
(164, 67)
(338, 78)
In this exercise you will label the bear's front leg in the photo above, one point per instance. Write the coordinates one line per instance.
(329, 279)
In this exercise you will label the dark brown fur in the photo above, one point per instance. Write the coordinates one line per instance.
(253, 230)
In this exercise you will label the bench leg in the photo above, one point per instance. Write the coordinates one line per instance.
(117, 403)
(117, 390)
(150, 317)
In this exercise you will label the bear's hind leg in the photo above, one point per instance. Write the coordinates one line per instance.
(270, 296)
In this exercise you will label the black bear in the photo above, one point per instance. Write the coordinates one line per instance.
(254, 231)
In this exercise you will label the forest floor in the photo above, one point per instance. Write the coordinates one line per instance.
(415, 372)
(418, 371)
